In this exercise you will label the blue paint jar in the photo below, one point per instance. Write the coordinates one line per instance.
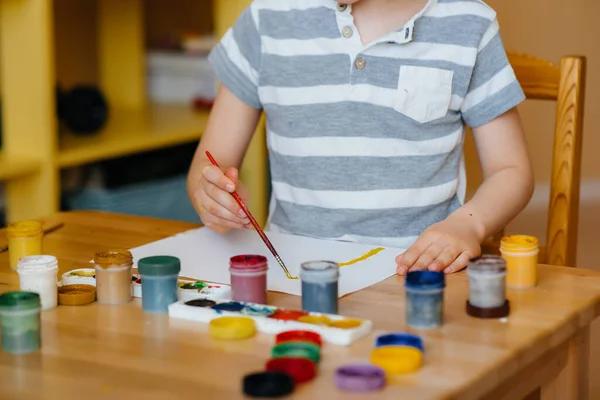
(320, 286)
(424, 299)
(159, 282)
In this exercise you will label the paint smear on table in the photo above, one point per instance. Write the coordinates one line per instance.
(368, 254)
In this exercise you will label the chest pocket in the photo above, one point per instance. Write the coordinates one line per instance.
(424, 93)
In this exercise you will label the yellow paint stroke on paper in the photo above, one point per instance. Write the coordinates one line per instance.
(370, 253)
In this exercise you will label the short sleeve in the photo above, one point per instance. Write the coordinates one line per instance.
(493, 89)
(236, 59)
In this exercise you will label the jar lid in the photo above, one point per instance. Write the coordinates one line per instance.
(319, 271)
(159, 266)
(299, 336)
(425, 280)
(248, 263)
(301, 369)
(297, 349)
(397, 360)
(399, 339)
(489, 313)
(232, 328)
(488, 263)
(76, 295)
(518, 243)
(114, 258)
(19, 301)
(23, 229)
(359, 378)
(268, 384)
(37, 264)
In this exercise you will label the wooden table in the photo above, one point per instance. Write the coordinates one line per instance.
(108, 352)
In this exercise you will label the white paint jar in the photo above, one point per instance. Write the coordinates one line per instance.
(38, 274)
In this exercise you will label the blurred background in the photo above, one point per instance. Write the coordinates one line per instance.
(103, 102)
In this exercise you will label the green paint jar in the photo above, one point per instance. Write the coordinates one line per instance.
(20, 322)
(297, 350)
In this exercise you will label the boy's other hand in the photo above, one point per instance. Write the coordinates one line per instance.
(446, 246)
(218, 209)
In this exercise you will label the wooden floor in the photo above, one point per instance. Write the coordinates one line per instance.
(533, 222)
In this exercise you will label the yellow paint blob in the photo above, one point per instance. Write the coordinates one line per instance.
(315, 319)
(370, 253)
(519, 243)
(345, 324)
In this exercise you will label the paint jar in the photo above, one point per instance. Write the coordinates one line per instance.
(20, 312)
(38, 274)
(113, 277)
(24, 239)
(248, 278)
(424, 299)
(487, 287)
(320, 286)
(159, 282)
(521, 255)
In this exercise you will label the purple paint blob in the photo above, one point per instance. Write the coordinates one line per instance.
(248, 278)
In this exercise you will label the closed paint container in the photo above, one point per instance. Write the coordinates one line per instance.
(248, 274)
(521, 255)
(20, 322)
(113, 276)
(24, 239)
(320, 286)
(487, 281)
(159, 282)
(38, 274)
(424, 299)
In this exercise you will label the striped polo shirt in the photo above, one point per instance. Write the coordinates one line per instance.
(365, 141)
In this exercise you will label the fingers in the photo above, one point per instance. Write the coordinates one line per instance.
(444, 259)
(459, 263)
(406, 260)
(426, 258)
(214, 175)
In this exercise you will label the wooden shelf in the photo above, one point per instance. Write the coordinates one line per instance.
(133, 131)
(17, 167)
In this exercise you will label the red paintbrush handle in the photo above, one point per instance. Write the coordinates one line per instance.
(248, 213)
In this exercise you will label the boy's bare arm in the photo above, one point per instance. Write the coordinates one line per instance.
(506, 190)
(229, 130)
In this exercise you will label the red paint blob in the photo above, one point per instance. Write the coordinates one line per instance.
(300, 369)
(288, 315)
(299, 336)
(248, 262)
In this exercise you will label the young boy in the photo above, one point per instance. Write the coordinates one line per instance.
(366, 103)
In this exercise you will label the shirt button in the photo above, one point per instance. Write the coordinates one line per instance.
(342, 7)
(360, 63)
(347, 32)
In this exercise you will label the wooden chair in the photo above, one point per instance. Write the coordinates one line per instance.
(565, 84)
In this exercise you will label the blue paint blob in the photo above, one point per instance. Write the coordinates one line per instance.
(258, 311)
(232, 306)
(424, 299)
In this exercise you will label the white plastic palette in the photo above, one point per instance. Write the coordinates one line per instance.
(190, 289)
(334, 335)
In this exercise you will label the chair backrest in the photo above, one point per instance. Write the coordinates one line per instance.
(564, 83)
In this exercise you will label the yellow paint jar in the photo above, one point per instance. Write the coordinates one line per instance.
(521, 255)
(24, 239)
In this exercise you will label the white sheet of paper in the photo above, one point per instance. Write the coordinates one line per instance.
(205, 255)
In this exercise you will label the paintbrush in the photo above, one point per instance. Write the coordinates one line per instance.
(255, 224)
